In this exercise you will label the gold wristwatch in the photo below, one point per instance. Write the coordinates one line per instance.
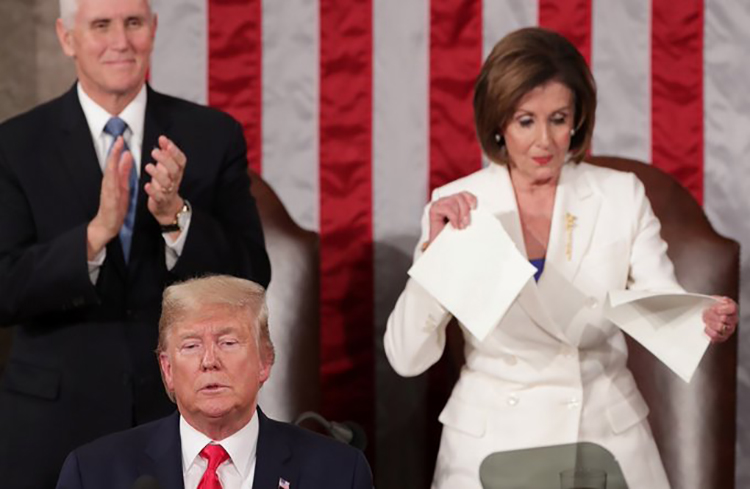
(180, 219)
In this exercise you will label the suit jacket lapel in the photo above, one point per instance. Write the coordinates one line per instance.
(163, 456)
(573, 221)
(155, 124)
(273, 457)
(78, 154)
(82, 165)
(573, 224)
(500, 199)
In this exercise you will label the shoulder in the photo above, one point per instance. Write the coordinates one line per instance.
(323, 461)
(312, 444)
(32, 122)
(180, 109)
(474, 182)
(120, 445)
(610, 182)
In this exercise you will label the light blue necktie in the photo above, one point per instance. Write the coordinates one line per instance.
(116, 127)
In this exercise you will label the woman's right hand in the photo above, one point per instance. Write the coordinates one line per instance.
(454, 209)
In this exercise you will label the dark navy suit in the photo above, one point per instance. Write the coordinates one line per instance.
(82, 363)
(305, 459)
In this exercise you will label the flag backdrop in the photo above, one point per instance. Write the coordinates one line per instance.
(355, 109)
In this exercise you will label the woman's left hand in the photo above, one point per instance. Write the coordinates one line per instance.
(721, 319)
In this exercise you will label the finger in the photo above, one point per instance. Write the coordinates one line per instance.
(464, 210)
(449, 210)
(159, 174)
(471, 199)
(174, 152)
(157, 192)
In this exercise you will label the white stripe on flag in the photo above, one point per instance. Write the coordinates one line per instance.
(179, 63)
(501, 17)
(726, 170)
(400, 174)
(291, 47)
(621, 62)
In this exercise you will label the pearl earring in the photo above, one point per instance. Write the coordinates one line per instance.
(498, 138)
(572, 132)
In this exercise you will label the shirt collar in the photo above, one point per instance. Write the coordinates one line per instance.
(241, 446)
(96, 116)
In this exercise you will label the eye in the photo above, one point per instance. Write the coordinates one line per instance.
(559, 119)
(525, 121)
(229, 342)
(99, 25)
(190, 346)
(134, 22)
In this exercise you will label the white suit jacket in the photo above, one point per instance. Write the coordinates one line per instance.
(553, 368)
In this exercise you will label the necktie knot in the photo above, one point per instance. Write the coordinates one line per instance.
(115, 127)
(215, 454)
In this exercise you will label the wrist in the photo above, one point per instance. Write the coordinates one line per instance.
(178, 220)
(168, 217)
(97, 238)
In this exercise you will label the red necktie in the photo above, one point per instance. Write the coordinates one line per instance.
(216, 455)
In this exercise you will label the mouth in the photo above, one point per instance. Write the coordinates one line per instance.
(120, 62)
(212, 388)
(542, 160)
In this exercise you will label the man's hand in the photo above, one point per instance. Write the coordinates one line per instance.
(164, 201)
(113, 200)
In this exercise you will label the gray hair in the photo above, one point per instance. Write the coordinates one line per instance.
(247, 299)
(69, 9)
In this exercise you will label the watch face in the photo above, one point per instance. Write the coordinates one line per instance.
(183, 217)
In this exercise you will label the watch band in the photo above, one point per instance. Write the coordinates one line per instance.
(176, 225)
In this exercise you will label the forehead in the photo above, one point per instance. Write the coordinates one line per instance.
(88, 9)
(551, 95)
(211, 321)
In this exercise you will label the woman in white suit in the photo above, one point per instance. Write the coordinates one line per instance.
(553, 371)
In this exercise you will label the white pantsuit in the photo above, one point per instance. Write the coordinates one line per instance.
(553, 370)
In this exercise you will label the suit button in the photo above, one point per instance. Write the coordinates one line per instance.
(569, 351)
(592, 303)
(573, 403)
(512, 400)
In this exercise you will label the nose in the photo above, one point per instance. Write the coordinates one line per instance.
(544, 135)
(118, 37)
(209, 360)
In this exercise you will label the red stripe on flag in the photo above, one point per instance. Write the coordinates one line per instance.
(677, 91)
(572, 19)
(234, 66)
(346, 248)
(455, 60)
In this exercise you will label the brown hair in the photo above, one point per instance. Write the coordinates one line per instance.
(520, 62)
(187, 299)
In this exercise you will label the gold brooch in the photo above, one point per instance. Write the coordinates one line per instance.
(570, 223)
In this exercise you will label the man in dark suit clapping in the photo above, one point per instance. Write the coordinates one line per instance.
(108, 194)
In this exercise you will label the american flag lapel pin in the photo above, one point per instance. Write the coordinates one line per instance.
(283, 483)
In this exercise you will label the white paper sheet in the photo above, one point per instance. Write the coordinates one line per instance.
(475, 273)
(668, 324)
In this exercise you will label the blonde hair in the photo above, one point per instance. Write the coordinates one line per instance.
(247, 299)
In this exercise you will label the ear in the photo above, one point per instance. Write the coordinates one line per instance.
(166, 371)
(65, 37)
(264, 373)
(153, 29)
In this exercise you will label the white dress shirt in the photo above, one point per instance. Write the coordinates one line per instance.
(237, 472)
(134, 116)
